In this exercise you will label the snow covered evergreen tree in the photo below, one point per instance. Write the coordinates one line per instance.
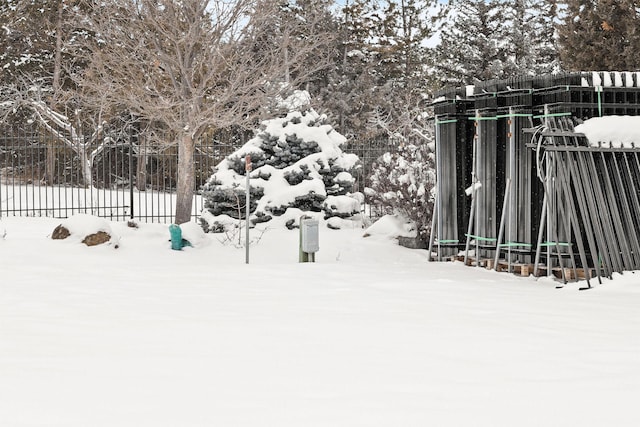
(28, 38)
(320, 20)
(292, 23)
(40, 53)
(39, 42)
(298, 166)
(405, 64)
(406, 25)
(493, 39)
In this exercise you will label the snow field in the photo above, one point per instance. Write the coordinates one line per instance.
(369, 335)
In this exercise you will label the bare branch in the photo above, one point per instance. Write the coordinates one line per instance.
(194, 65)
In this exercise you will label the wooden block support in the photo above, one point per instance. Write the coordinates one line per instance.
(490, 264)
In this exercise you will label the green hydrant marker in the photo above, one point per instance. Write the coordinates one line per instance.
(176, 237)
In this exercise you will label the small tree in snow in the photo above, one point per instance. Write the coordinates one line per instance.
(403, 183)
(298, 166)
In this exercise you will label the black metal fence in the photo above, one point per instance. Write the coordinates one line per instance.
(124, 176)
(128, 177)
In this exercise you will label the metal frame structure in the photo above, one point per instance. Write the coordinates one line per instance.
(517, 185)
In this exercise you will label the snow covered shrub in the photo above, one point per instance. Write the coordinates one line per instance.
(297, 164)
(403, 183)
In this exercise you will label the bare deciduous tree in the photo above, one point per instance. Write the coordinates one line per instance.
(192, 66)
(38, 50)
(65, 130)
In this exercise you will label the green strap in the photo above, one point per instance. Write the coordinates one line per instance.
(442, 122)
(599, 92)
(512, 244)
(448, 241)
(483, 118)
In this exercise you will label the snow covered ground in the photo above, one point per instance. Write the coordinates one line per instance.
(369, 335)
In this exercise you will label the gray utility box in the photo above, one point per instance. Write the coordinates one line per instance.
(309, 235)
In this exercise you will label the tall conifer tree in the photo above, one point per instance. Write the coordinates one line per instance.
(385, 62)
(600, 35)
(473, 44)
(348, 95)
(404, 63)
(531, 43)
(27, 39)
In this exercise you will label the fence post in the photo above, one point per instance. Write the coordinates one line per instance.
(247, 169)
(131, 171)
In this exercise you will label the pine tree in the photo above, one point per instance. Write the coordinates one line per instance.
(297, 163)
(38, 42)
(599, 35)
(382, 70)
(348, 97)
(472, 46)
(530, 41)
(40, 50)
(405, 62)
(295, 22)
(26, 41)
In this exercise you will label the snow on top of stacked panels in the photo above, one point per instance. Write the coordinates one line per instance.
(612, 131)
(611, 79)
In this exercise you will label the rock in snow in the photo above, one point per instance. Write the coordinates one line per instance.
(87, 229)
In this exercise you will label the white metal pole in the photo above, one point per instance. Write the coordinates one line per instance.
(551, 196)
(512, 177)
(247, 202)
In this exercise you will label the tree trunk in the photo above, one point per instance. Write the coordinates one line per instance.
(186, 179)
(86, 166)
(141, 169)
(50, 162)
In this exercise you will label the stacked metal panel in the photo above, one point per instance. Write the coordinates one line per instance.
(498, 200)
(453, 163)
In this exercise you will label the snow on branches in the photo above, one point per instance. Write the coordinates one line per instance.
(298, 166)
(403, 183)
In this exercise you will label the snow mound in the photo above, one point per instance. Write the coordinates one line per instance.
(194, 234)
(614, 131)
(391, 227)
